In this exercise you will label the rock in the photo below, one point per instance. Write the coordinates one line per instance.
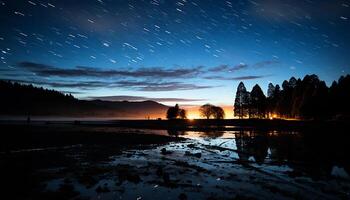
(165, 152)
(190, 145)
(198, 155)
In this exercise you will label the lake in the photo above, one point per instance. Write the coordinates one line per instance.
(89, 162)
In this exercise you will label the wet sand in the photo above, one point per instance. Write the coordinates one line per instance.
(66, 161)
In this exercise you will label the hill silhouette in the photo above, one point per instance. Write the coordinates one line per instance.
(27, 100)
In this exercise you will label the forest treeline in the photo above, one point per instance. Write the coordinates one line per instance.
(307, 98)
(22, 99)
(28, 100)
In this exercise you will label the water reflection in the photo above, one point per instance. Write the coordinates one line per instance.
(176, 133)
(208, 134)
(251, 144)
(304, 154)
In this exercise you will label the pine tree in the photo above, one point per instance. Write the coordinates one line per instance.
(241, 101)
(258, 102)
(271, 90)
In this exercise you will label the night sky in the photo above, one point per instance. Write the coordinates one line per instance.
(188, 51)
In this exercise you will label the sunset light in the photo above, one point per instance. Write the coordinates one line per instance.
(193, 112)
(193, 116)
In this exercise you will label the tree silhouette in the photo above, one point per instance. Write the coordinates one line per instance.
(218, 112)
(28, 100)
(209, 110)
(183, 114)
(173, 112)
(206, 110)
(314, 97)
(340, 97)
(309, 98)
(241, 101)
(285, 102)
(271, 90)
(20, 99)
(272, 98)
(257, 103)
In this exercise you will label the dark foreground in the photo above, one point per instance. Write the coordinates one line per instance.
(101, 161)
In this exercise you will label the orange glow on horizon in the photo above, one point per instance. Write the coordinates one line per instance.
(193, 112)
(193, 115)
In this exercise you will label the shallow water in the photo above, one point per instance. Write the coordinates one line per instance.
(225, 164)
(208, 165)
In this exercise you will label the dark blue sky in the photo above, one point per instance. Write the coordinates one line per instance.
(194, 50)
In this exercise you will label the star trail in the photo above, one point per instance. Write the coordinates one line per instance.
(171, 50)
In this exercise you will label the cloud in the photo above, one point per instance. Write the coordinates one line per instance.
(44, 70)
(152, 79)
(142, 98)
(128, 84)
(227, 68)
(237, 78)
(70, 92)
(82, 71)
(241, 66)
(161, 86)
(86, 85)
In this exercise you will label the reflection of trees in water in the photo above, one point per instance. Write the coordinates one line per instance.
(282, 146)
(311, 156)
(211, 133)
(304, 154)
(325, 151)
(174, 132)
(252, 144)
(285, 147)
